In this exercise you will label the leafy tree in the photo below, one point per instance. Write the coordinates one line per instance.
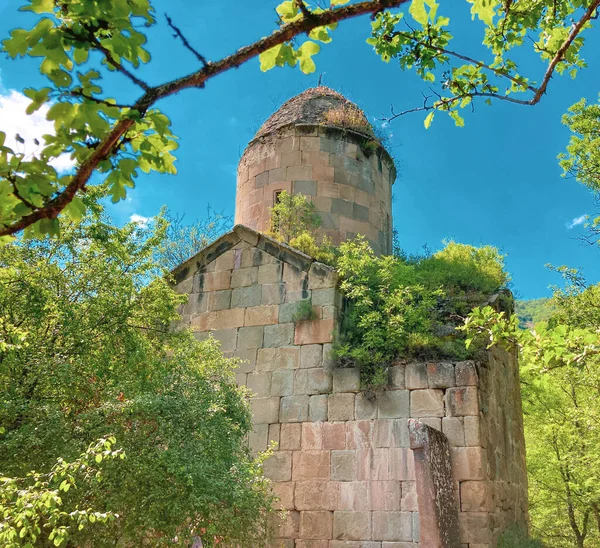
(183, 241)
(35, 508)
(533, 311)
(77, 41)
(560, 372)
(86, 351)
(293, 215)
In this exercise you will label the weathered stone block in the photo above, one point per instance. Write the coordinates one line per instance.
(427, 403)
(359, 434)
(453, 428)
(352, 525)
(290, 436)
(278, 335)
(393, 404)
(243, 297)
(308, 188)
(287, 312)
(214, 281)
(440, 375)
(247, 359)
(334, 435)
(475, 527)
(462, 401)
(274, 433)
(321, 276)
(294, 409)
(317, 408)
(261, 315)
(272, 293)
(250, 338)
(284, 491)
(257, 437)
(409, 497)
(466, 374)
(312, 436)
(316, 495)
(227, 338)
(397, 376)
(243, 277)
(340, 407)
(219, 300)
(365, 407)
(240, 379)
(282, 383)
(260, 384)
(316, 525)
(314, 332)
(265, 410)
(472, 431)
(278, 467)
(402, 464)
(416, 376)
(311, 465)
(311, 356)
(355, 495)
(386, 495)
(468, 463)
(476, 496)
(343, 465)
(270, 273)
(392, 526)
(289, 528)
(312, 381)
(346, 379)
(324, 297)
(286, 357)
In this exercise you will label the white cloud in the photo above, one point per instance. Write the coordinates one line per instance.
(14, 120)
(577, 221)
(140, 220)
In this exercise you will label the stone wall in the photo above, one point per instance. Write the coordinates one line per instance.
(345, 174)
(343, 467)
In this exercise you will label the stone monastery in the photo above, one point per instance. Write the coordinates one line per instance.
(436, 460)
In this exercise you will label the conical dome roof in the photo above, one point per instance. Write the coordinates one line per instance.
(319, 106)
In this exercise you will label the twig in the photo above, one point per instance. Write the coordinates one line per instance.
(118, 66)
(186, 44)
(97, 100)
(303, 9)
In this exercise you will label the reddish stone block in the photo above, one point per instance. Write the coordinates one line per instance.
(314, 332)
(463, 401)
(386, 495)
(312, 435)
(334, 435)
(284, 491)
(392, 526)
(409, 501)
(350, 525)
(311, 465)
(290, 436)
(317, 495)
(440, 375)
(466, 374)
(316, 525)
(278, 467)
(355, 495)
(261, 315)
(476, 496)
(402, 464)
(359, 434)
(468, 463)
(426, 403)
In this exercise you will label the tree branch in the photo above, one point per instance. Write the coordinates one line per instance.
(186, 44)
(538, 92)
(118, 66)
(195, 80)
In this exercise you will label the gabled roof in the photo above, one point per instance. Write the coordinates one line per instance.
(241, 233)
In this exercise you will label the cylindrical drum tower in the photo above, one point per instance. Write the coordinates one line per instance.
(321, 145)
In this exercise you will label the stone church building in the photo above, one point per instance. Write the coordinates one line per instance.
(437, 459)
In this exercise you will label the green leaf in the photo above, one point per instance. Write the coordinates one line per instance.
(418, 11)
(429, 119)
(305, 53)
(268, 59)
(484, 9)
(76, 209)
(458, 119)
(339, 2)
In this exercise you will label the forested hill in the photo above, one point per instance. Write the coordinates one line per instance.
(533, 311)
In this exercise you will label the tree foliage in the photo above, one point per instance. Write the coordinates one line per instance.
(560, 373)
(76, 42)
(399, 307)
(38, 506)
(87, 351)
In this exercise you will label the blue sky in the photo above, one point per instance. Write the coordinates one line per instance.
(495, 181)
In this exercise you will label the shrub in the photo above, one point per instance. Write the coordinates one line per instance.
(401, 307)
(292, 216)
(515, 537)
(304, 311)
